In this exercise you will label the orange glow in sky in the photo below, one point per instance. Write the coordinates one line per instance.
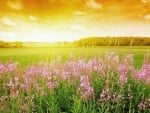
(68, 20)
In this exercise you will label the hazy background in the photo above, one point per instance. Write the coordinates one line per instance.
(67, 20)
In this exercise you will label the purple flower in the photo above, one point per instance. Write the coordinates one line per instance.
(86, 90)
(122, 69)
(123, 79)
(2, 68)
(12, 66)
(141, 106)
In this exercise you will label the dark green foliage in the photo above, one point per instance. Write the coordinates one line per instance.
(114, 41)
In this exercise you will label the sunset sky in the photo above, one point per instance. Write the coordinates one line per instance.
(68, 20)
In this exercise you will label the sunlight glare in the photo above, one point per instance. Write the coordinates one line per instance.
(40, 34)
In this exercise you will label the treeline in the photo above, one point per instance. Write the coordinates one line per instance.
(113, 41)
(4, 44)
(92, 41)
(10, 44)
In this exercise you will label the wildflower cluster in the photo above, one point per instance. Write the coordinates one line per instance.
(56, 86)
(143, 73)
(109, 96)
(144, 105)
(86, 90)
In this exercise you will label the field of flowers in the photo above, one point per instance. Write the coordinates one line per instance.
(109, 84)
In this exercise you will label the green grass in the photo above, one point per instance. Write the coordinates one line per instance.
(66, 98)
(27, 56)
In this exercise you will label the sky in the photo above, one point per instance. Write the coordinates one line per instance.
(69, 20)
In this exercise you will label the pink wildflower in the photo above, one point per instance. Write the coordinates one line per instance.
(12, 66)
(148, 80)
(14, 93)
(66, 75)
(2, 68)
(141, 106)
(51, 85)
(23, 107)
(3, 103)
(122, 69)
(86, 90)
(123, 79)
(84, 81)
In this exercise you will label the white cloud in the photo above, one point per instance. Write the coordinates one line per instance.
(8, 22)
(17, 5)
(79, 13)
(145, 1)
(147, 17)
(32, 18)
(93, 4)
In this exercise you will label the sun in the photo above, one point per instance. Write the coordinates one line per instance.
(40, 35)
(43, 34)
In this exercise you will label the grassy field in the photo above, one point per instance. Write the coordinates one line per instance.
(74, 80)
(31, 55)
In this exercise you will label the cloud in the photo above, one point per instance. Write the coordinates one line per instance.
(93, 4)
(147, 17)
(79, 13)
(8, 22)
(32, 18)
(16, 5)
(145, 1)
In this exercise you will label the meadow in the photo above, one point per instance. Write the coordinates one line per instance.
(75, 80)
(28, 55)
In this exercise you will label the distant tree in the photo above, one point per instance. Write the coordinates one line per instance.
(10, 44)
(113, 41)
(18, 44)
(4, 44)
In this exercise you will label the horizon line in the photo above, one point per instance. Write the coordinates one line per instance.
(69, 41)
